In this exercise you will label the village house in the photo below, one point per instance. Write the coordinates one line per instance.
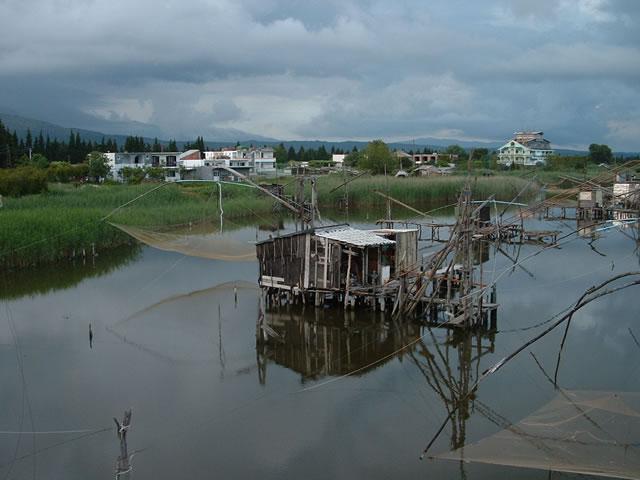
(402, 156)
(170, 162)
(196, 165)
(434, 158)
(258, 161)
(338, 159)
(526, 148)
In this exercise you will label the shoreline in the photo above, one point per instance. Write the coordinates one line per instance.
(67, 222)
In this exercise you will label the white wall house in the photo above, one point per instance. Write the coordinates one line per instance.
(526, 148)
(170, 162)
(264, 161)
(338, 159)
(433, 158)
(248, 161)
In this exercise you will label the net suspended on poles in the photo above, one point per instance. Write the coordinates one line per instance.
(584, 432)
(205, 245)
(196, 327)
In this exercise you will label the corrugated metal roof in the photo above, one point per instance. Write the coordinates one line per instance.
(352, 236)
(391, 231)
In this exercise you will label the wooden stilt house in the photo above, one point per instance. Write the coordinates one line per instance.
(338, 258)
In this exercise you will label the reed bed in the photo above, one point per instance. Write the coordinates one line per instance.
(64, 275)
(67, 222)
(420, 191)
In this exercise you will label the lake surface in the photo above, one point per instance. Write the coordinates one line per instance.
(174, 340)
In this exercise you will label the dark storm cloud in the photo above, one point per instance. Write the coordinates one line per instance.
(330, 69)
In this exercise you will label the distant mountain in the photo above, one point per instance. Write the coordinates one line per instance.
(445, 142)
(213, 136)
(347, 145)
(22, 124)
(222, 137)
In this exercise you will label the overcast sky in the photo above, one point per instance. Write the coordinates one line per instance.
(331, 69)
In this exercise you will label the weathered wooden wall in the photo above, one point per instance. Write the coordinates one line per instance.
(284, 257)
(406, 250)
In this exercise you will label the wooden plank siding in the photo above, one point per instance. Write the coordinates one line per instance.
(406, 250)
(307, 261)
(284, 257)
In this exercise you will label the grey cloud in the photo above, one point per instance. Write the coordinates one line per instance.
(310, 69)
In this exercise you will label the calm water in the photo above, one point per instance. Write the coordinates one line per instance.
(171, 343)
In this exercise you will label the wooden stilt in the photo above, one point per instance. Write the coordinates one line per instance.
(348, 281)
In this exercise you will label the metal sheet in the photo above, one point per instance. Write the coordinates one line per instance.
(352, 236)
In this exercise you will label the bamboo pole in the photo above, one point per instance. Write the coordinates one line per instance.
(409, 207)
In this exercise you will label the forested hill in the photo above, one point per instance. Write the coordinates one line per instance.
(22, 125)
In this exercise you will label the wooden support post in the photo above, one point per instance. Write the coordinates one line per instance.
(348, 281)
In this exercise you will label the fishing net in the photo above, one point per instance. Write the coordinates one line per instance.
(584, 432)
(210, 325)
(205, 245)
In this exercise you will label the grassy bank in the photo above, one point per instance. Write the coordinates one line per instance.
(65, 221)
(419, 190)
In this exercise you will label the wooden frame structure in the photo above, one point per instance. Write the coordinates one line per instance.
(335, 262)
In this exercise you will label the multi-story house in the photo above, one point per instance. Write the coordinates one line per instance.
(195, 165)
(526, 148)
(247, 161)
(170, 162)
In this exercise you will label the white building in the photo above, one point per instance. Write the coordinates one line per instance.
(264, 160)
(248, 161)
(338, 159)
(170, 162)
(526, 148)
(433, 158)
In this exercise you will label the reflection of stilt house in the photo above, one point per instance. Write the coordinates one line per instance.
(337, 260)
(330, 342)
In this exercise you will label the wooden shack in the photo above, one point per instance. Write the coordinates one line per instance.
(626, 194)
(336, 259)
(590, 198)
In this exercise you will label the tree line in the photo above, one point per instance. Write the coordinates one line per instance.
(39, 150)
(36, 149)
(284, 155)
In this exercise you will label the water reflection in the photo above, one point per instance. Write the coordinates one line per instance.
(65, 275)
(208, 332)
(334, 343)
(451, 367)
(316, 343)
(196, 354)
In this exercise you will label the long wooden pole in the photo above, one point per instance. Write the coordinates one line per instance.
(409, 207)
(263, 190)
